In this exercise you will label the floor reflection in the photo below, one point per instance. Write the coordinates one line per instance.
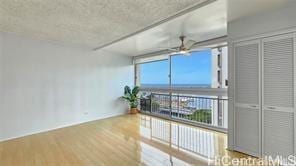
(160, 138)
(126, 140)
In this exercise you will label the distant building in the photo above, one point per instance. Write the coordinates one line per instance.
(219, 67)
(220, 80)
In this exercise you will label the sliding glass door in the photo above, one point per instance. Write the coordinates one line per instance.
(188, 87)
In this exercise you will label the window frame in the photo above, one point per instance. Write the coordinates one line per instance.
(187, 90)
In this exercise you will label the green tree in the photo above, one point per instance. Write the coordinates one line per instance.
(201, 115)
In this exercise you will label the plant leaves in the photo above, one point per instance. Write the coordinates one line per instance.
(127, 90)
(135, 90)
(126, 98)
(131, 96)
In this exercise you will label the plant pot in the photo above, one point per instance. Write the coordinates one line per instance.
(133, 111)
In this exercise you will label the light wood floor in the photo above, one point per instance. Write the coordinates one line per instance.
(124, 140)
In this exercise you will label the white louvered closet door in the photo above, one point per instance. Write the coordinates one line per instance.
(247, 97)
(278, 95)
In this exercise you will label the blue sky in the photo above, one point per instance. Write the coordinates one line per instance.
(194, 69)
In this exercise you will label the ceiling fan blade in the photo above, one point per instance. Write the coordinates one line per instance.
(173, 49)
(189, 44)
(167, 48)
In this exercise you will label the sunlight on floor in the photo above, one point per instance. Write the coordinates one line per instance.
(123, 140)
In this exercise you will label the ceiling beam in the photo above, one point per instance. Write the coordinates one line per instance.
(182, 12)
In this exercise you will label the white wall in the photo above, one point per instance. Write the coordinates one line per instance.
(257, 24)
(45, 85)
(268, 21)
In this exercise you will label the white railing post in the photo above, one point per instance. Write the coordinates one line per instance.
(185, 105)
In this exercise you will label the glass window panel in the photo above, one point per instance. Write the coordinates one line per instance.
(154, 74)
(193, 70)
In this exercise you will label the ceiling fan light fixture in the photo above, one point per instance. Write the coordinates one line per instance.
(183, 52)
(183, 49)
(186, 53)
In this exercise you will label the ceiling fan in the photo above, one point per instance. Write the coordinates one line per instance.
(184, 48)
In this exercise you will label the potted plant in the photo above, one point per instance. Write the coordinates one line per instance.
(132, 97)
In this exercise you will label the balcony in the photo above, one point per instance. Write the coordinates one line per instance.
(209, 111)
(195, 142)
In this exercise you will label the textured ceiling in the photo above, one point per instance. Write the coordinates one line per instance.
(202, 24)
(90, 23)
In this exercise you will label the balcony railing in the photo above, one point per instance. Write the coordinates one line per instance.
(191, 140)
(210, 111)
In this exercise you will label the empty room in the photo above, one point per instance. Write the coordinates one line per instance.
(147, 82)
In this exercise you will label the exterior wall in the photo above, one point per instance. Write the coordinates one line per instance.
(215, 69)
(223, 68)
(46, 85)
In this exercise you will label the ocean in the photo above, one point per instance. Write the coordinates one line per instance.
(178, 85)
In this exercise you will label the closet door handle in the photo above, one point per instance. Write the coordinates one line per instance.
(271, 108)
(253, 106)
